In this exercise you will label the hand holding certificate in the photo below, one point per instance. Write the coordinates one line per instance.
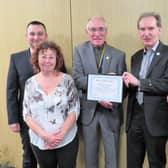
(105, 87)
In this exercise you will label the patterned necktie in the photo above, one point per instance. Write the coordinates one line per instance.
(144, 68)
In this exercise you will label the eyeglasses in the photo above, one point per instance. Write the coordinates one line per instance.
(98, 29)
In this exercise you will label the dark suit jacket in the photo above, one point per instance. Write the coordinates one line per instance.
(84, 63)
(19, 71)
(155, 88)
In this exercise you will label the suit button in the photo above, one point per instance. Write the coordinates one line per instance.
(150, 83)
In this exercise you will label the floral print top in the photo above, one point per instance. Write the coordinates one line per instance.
(50, 111)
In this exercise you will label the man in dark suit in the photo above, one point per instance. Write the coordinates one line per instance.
(97, 57)
(147, 114)
(20, 70)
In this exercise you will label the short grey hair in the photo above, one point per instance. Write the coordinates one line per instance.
(152, 14)
(96, 18)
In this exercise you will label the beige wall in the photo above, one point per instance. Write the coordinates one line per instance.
(65, 21)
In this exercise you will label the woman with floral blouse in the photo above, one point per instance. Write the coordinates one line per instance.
(50, 109)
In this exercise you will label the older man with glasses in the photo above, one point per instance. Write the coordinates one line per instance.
(98, 117)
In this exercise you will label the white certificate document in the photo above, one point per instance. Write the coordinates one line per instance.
(105, 87)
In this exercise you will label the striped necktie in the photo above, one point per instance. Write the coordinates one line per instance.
(143, 71)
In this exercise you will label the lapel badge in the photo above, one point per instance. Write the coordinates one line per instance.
(107, 58)
(158, 53)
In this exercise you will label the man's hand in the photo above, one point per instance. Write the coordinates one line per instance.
(15, 127)
(106, 104)
(167, 98)
(130, 79)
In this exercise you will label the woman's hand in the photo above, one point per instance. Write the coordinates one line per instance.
(54, 138)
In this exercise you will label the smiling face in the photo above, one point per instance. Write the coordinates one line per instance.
(47, 60)
(96, 31)
(149, 31)
(35, 35)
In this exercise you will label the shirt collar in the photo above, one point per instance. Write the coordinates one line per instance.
(99, 48)
(153, 49)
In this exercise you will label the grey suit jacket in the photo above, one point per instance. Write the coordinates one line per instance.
(84, 63)
(155, 88)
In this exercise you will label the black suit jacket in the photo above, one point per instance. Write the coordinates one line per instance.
(155, 88)
(19, 71)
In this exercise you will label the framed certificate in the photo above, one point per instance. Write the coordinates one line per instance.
(105, 87)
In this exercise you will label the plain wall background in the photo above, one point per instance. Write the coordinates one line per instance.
(65, 21)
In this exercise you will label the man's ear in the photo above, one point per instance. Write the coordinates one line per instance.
(86, 31)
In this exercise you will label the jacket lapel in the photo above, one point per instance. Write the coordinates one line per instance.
(156, 59)
(106, 60)
(137, 64)
(91, 58)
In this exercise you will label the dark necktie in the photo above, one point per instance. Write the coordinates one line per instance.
(99, 54)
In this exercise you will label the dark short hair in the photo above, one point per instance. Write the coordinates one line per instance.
(36, 22)
(44, 46)
(151, 14)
